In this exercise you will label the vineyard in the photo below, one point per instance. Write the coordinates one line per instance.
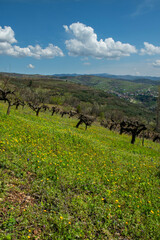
(62, 182)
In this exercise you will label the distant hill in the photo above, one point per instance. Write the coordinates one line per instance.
(114, 84)
(106, 75)
(102, 75)
(92, 94)
(140, 91)
(127, 77)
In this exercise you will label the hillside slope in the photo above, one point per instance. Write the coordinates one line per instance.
(121, 85)
(142, 91)
(59, 182)
(90, 100)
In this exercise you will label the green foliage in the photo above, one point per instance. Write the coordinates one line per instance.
(60, 182)
(121, 85)
(79, 109)
(61, 92)
(58, 100)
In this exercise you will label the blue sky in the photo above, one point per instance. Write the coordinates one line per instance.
(80, 36)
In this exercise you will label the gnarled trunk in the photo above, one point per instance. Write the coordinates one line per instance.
(8, 109)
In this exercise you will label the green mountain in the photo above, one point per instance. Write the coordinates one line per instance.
(119, 85)
(141, 91)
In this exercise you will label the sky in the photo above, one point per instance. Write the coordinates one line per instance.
(80, 36)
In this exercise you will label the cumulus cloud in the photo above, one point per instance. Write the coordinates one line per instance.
(7, 35)
(85, 43)
(156, 63)
(149, 49)
(7, 40)
(30, 66)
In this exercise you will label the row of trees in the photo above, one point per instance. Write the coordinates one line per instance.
(36, 103)
(133, 128)
(35, 100)
(11, 99)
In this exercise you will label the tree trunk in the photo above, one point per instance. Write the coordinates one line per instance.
(80, 122)
(133, 137)
(143, 139)
(8, 109)
(17, 105)
(121, 131)
(53, 112)
(37, 112)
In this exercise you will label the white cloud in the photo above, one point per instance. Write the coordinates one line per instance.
(7, 35)
(156, 63)
(30, 66)
(149, 49)
(85, 44)
(7, 48)
(66, 28)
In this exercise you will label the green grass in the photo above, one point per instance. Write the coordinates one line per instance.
(59, 182)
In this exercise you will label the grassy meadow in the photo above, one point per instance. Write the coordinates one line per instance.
(59, 182)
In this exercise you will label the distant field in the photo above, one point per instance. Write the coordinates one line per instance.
(59, 182)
